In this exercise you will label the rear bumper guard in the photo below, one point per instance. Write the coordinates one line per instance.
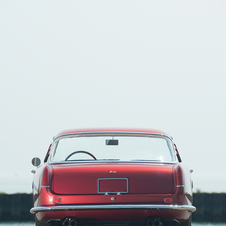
(38, 209)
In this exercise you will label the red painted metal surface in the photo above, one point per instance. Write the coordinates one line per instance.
(143, 178)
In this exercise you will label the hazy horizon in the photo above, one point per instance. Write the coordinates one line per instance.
(118, 64)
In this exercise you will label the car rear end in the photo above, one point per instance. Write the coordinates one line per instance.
(114, 191)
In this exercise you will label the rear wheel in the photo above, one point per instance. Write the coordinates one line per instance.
(187, 222)
(38, 223)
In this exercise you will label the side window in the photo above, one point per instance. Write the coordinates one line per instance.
(48, 152)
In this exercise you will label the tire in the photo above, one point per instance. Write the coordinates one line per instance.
(38, 223)
(187, 222)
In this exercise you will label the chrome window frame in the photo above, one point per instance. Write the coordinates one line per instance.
(94, 134)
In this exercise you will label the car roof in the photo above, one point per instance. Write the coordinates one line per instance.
(114, 130)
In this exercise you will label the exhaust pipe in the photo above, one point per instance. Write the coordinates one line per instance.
(69, 222)
(154, 222)
(73, 223)
(66, 222)
(149, 223)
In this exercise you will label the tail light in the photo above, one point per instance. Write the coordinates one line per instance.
(179, 178)
(168, 200)
(46, 177)
(57, 200)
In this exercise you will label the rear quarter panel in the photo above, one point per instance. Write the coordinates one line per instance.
(183, 184)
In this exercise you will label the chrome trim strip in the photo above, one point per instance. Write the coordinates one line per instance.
(107, 133)
(180, 186)
(111, 161)
(112, 207)
(110, 133)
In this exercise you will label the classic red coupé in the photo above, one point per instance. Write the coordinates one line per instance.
(112, 177)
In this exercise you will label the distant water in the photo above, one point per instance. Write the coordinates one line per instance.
(17, 223)
(33, 224)
(208, 224)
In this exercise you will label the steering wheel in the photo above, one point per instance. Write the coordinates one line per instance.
(76, 152)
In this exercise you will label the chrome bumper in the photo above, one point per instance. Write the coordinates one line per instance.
(112, 207)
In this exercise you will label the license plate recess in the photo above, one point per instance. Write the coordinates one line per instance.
(112, 185)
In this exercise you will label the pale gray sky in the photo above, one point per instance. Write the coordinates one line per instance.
(130, 64)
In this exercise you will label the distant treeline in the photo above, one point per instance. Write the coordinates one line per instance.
(210, 207)
(15, 207)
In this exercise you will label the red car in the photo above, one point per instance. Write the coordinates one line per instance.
(112, 177)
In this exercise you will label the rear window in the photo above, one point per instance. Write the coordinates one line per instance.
(113, 148)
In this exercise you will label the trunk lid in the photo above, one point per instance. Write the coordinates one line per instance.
(99, 178)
